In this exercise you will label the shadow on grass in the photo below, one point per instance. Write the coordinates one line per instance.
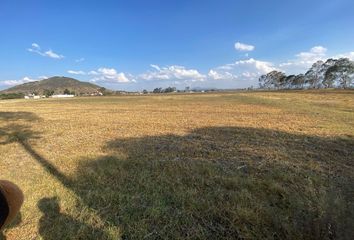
(56, 225)
(221, 183)
(12, 132)
(14, 129)
(17, 133)
(217, 183)
(16, 116)
(225, 182)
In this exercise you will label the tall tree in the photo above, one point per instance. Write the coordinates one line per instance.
(313, 75)
(324, 68)
(342, 71)
(274, 79)
(299, 81)
(288, 81)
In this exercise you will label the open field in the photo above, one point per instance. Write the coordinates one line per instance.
(247, 165)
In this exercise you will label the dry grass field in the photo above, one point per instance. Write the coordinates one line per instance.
(242, 165)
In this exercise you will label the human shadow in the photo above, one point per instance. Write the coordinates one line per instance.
(55, 225)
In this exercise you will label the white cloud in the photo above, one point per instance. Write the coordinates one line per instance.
(50, 53)
(173, 72)
(250, 75)
(316, 53)
(318, 50)
(76, 72)
(218, 75)
(251, 65)
(349, 55)
(35, 45)
(109, 75)
(103, 74)
(214, 75)
(21, 81)
(244, 47)
(247, 70)
(93, 73)
(305, 59)
(155, 66)
(80, 60)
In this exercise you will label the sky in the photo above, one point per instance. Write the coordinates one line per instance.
(135, 45)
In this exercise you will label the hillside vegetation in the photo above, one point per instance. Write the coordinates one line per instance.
(56, 84)
(243, 165)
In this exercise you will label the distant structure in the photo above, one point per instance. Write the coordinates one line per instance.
(96, 93)
(32, 96)
(63, 96)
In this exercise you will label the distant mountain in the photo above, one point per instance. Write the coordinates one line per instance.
(56, 84)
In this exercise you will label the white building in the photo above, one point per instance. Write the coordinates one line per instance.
(31, 96)
(63, 96)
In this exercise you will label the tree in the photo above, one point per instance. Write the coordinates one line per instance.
(157, 90)
(103, 91)
(263, 81)
(145, 91)
(48, 93)
(325, 66)
(342, 72)
(274, 79)
(66, 92)
(288, 81)
(313, 75)
(170, 89)
(298, 81)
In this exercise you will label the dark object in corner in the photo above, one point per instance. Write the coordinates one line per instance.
(4, 209)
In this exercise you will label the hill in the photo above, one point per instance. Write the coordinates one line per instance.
(56, 84)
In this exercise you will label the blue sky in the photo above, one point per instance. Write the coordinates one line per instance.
(132, 45)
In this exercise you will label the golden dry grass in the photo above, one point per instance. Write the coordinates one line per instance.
(269, 165)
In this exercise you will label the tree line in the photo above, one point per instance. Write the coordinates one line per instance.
(334, 73)
(166, 90)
